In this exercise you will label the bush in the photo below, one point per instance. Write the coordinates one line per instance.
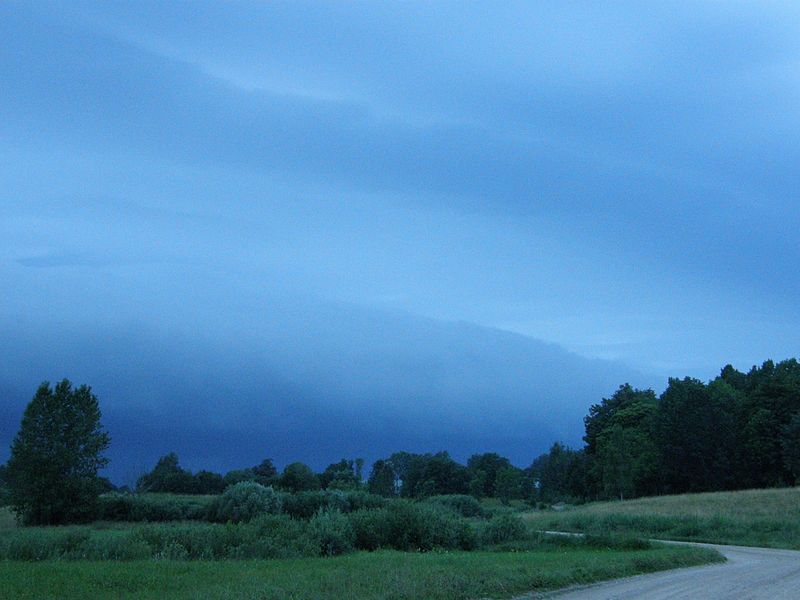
(304, 505)
(371, 528)
(503, 528)
(118, 506)
(332, 531)
(466, 506)
(246, 500)
(277, 536)
(407, 526)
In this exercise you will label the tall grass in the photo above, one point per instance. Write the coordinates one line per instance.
(368, 576)
(769, 518)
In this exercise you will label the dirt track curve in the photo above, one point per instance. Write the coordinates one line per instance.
(749, 574)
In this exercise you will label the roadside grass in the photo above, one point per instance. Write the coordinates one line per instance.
(380, 575)
(768, 518)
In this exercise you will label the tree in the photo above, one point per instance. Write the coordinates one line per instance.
(5, 494)
(298, 477)
(555, 475)
(265, 472)
(341, 475)
(167, 476)
(790, 444)
(55, 456)
(509, 484)
(483, 470)
(382, 479)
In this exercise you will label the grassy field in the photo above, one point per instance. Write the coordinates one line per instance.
(368, 576)
(769, 518)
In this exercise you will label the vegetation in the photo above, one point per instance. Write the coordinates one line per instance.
(738, 431)
(245, 501)
(124, 506)
(768, 518)
(55, 456)
(464, 530)
(369, 576)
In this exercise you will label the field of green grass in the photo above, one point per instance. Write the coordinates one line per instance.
(368, 576)
(768, 518)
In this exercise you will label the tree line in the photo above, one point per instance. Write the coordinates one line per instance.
(403, 474)
(739, 430)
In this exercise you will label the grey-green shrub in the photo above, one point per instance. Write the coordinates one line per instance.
(154, 507)
(371, 528)
(246, 500)
(503, 528)
(466, 506)
(333, 532)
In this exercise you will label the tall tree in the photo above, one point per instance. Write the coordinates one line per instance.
(382, 479)
(55, 456)
(790, 444)
(599, 422)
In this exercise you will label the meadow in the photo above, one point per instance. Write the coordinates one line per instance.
(403, 550)
(767, 517)
(384, 575)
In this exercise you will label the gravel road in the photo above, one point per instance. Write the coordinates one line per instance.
(749, 574)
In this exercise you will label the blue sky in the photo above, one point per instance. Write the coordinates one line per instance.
(618, 183)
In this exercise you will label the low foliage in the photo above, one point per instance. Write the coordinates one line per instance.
(503, 528)
(332, 531)
(246, 500)
(466, 506)
(152, 507)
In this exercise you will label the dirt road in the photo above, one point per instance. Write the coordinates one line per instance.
(749, 574)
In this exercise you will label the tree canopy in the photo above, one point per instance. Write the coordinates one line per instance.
(55, 456)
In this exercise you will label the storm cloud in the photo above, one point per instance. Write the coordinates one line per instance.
(337, 229)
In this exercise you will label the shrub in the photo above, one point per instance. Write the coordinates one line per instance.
(277, 536)
(113, 546)
(466, 506)
(424, 527)
(304, 505)
(118, 506)
(332, 531)
(503, 528)
(371, 528)
(245, 500)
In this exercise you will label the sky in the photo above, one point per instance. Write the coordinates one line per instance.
(314, 230)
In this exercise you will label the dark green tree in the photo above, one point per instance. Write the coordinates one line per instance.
(599, 420)
(55, 456)
(167, 476)
(485, 468)
(341, 475)
(5, 493)
(510, 484)
(298, 477)
(265, 472)
(554, 474)
(382, 479)
(790, 444)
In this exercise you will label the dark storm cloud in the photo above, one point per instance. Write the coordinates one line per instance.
(619, 180)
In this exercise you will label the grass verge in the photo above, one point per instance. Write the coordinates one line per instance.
(379, 575)
(766, 518)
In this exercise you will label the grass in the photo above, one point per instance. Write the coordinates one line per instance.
(379, 575)
(768, 518)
